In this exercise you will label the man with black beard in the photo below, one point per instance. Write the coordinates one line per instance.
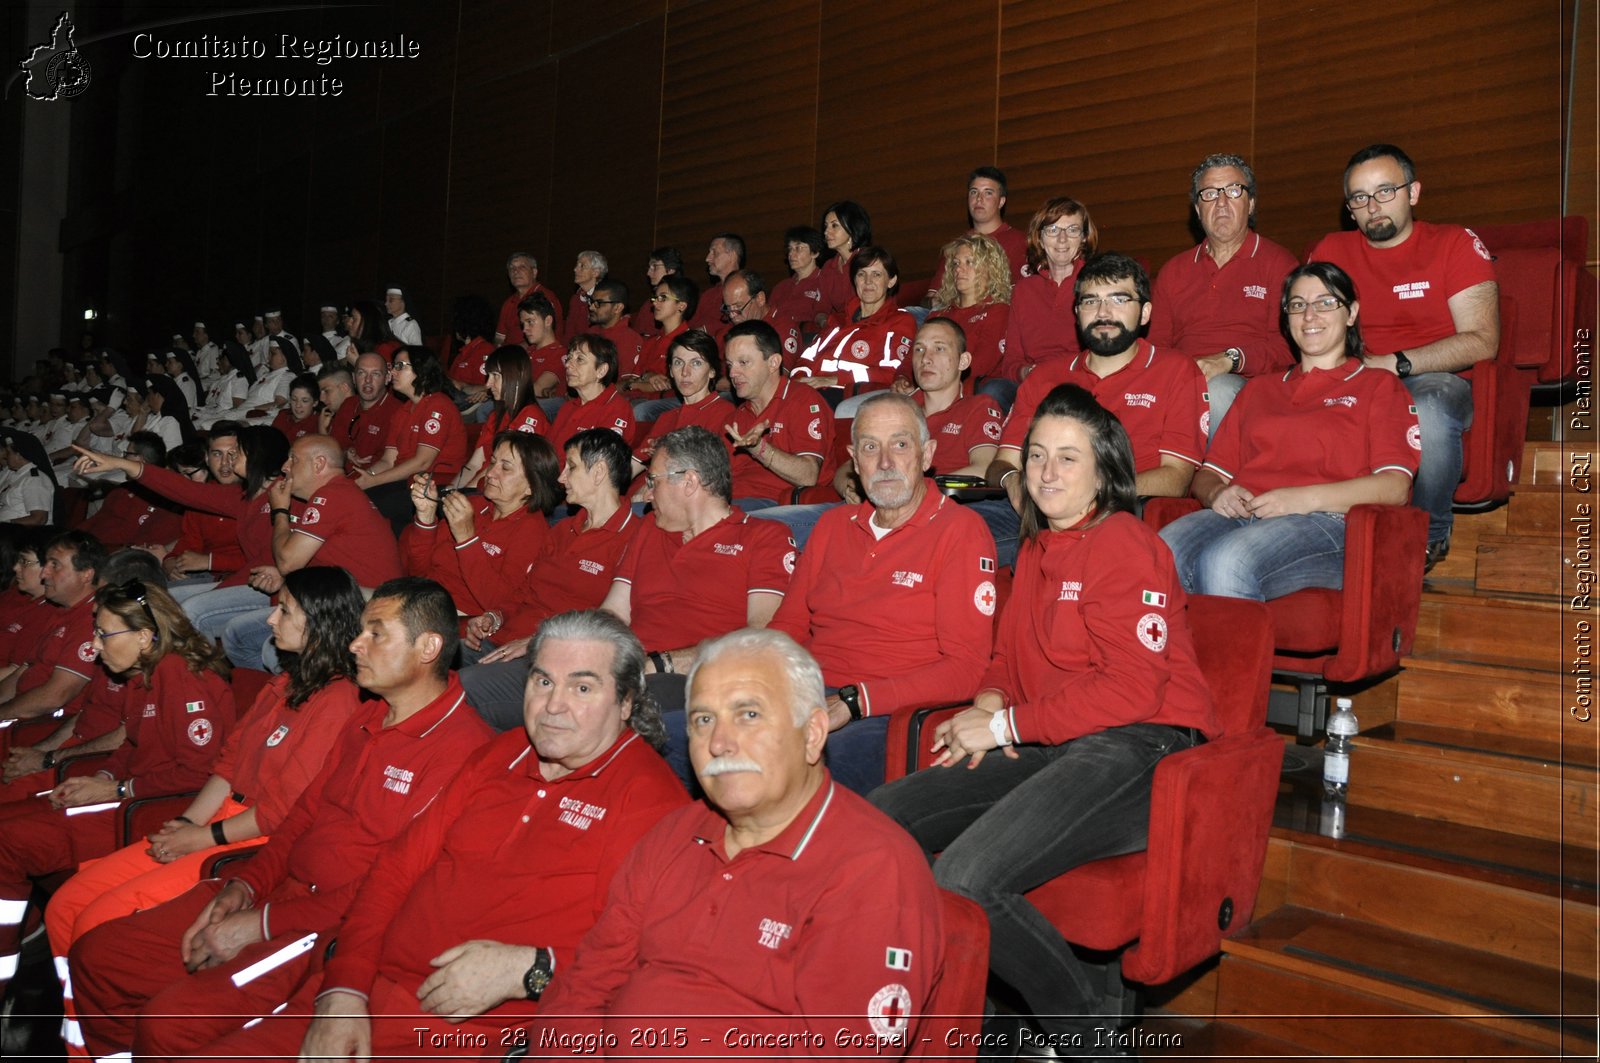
(1158, 395)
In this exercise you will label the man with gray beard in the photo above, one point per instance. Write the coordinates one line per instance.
(894, 597)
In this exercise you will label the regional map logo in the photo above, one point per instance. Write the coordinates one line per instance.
(57, 70)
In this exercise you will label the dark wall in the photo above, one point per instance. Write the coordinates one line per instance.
(620, 126)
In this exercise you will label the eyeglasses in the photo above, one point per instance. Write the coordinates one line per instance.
(663, 297)
(1116, 299)
(103, 635)
(401, 365)
(651, 481)
(135, 589)
(1055, 231)
(731, 310)
(1357, 200)
(1326, 304)
(605, 302)
(1233, 190)
(24, 563)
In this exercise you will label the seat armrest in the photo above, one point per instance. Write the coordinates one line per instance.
(905, 745)
(143, 816)
(1383, 557)
(1161, 511)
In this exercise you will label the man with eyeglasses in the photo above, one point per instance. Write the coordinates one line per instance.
(62, 662)
(369, 421)
(1158, 395)
(744, 295)
(608, 316)
(1218, 303)
(1430, 309)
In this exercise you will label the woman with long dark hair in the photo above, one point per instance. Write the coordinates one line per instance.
(846, 228)
(181, 710)
(1094, 679)
(516, 409)
(279, 746)
(1296, 450)
(368, 328)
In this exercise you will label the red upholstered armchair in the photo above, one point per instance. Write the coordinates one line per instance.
(955, 1011)
(1321, 636)
(1540, 264)
(1210, 810)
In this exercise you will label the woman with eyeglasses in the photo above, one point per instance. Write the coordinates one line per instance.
(480, 540)
(179, 710)
(1043, 323)
(21, 592)
(426, 434)
(260, 458)
(976, 294)
(273, 754)
(673, 302)
(1295, 452)
(1093, 681)
(508, 373)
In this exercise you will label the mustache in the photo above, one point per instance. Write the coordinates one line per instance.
(723, 765)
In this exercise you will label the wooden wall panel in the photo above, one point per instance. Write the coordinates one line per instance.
(603, 184)
(905, 110)
(1583, 188)
(498, 38)
(500, 170)
(575, 26)
(1471, 91)
(1094, 105)
(738, 148)
(411, 236)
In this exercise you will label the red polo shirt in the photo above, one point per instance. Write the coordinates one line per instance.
(577, 316)
(510, 323)
(353, 534)
(711, 413)
(1198, 309)
(432, 420)
(972, 421)
(373, 785)
(212, 535)
(934, 575)
(176, 722)
(492, 816)
(65, 641)
(605, 410)
(476, 572)
(1160, 398)
(369, 430)
(468, 367)
(1043, 324)
(800, 301)
(630, 347)
(799, 421)
(653, 355)
(574, 570)
(985, 327)
(551, 358)
(682, 593)
(529, 419)
(1318, 427)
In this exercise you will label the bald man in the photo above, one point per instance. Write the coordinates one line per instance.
(319, 517)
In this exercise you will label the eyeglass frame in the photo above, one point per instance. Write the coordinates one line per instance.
(1376, 195)
(1092, 302)
(650, 481)
(1233, 190)
(1054, 229)
(1288, 305)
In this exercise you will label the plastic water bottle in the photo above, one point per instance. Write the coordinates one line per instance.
(1342, 728)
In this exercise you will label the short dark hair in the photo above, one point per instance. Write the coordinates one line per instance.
(132, 563)
(1113, 266)
(700, 342)
(804, 234)
(683, 290)
(989, 173)
(694, 447)
(329, 370)
(472, 317)
(602, 444)
(604, 351)
(766, 337)
(536, 303)
(950, 323)
(426, 369)
(753, 282)
(88, 552)
(224, 430)
(151, 448)
(1113, 455)
(1340, 284)
(855, 219)
(872, 253)
(671, 259)
(612, 289)
(426, 608)
(540, 465)
(1382, 151)
(627, 663)
(734, 242)
(304, 382)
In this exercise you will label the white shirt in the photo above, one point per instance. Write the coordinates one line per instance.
(406, 329)
(24, 491)
(273, 385)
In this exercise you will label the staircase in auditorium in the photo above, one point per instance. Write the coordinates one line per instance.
(1455, 916)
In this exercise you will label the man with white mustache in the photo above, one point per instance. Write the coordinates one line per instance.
(783, 916)
(895, 596)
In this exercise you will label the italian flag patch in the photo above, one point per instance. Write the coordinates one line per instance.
(1155, 598)
(897, 959)
(194, 706)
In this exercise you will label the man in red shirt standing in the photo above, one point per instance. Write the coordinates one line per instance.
(986, 207)
(1430, 311)
(1218, 303)
(577, 784)
(784, 916)
(169, 979)
(522, 270)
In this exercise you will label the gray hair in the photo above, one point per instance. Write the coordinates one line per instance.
(596, 261)
(806, 690)
(1212, 162)
(513, 256)
(627, 663)
(693, 447)
(893, 398)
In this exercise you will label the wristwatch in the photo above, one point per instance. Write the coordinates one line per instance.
(1235, 359)
(852, 700)
(1402, 365)
(537, 980)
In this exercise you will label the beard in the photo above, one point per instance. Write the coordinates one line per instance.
(887, 491)
(1109, 344)
(1381, 229)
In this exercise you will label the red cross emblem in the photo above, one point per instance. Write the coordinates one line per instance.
(1153, 631)
(983, 598)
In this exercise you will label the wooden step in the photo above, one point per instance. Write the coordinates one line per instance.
(1457, 622)
(1491, 698)
(1535, 509)
(1523, 564)
(1444, 774)
(1462, 560)
(1323, 981)
(1552, 462)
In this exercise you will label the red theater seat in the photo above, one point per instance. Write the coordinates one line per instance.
(955, 1010)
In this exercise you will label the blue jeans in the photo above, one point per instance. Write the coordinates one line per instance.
(495, 690)
(752, 505)
(1444, 412)
(1248, 557)
(247, 640)
(1221, 390)
(1001, 390)
(188, 587)
(551, 405)
(854, 753)
(1005, 524)
(646, 410)
(1008, 826)
(211, 611)
(801, 519)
